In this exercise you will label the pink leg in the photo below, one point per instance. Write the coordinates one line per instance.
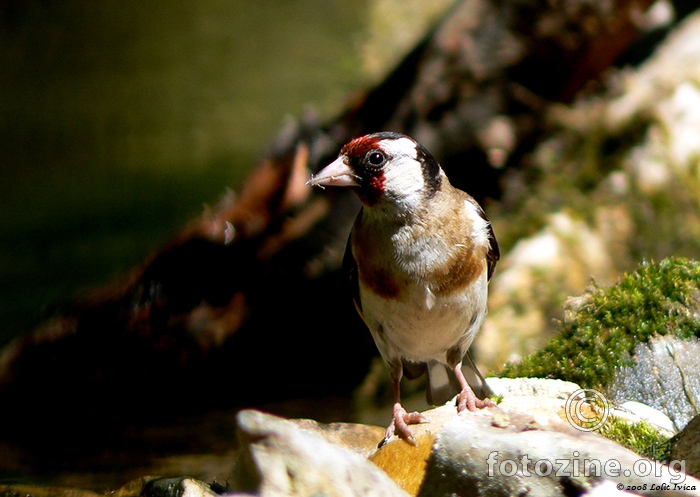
(400, 418)
(466, 399)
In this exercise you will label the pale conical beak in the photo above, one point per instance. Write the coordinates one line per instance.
(337, 173)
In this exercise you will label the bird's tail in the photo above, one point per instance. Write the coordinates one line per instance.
(443, 384)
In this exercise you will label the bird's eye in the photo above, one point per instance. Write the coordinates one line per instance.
(376, 158)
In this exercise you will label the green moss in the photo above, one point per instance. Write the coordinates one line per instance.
(656, 299)
(640, 437)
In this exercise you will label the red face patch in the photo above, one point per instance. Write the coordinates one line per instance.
(377, 183)
(360, 146)
(371, 177)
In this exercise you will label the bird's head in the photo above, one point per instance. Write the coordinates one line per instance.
(384, 168)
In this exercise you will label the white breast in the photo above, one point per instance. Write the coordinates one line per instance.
(422, 326)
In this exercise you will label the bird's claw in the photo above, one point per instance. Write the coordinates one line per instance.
(467, 400)
(399, 425)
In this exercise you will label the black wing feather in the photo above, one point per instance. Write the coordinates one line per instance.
(493, 254)
(350, 270)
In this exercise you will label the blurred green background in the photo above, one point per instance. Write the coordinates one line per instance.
(120, 119)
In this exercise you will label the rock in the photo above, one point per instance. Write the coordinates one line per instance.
(652, 416)
(665, 376)
(502, 453)
(530, 421)
(359, 438)
(687, 447)
(154, 486)
(176, 487)
(135, 487)
(531, 387)
(406, 464)
(532, 395)
(278, 458)
(607, 488)
(542, 399)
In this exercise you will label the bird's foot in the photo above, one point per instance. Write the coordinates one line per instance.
(467, 400)
(399, 425)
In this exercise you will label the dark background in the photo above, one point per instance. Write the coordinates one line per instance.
(119, 120)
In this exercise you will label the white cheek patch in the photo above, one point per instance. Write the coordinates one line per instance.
(404, 174)
(404, 177)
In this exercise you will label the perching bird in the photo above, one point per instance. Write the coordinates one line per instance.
(419, 258)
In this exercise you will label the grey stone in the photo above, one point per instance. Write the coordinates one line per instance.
(649, 414)
(665, 376)
(359, 438)
(532, 394)
(496, 452)
(278, 458)
(177, 487)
